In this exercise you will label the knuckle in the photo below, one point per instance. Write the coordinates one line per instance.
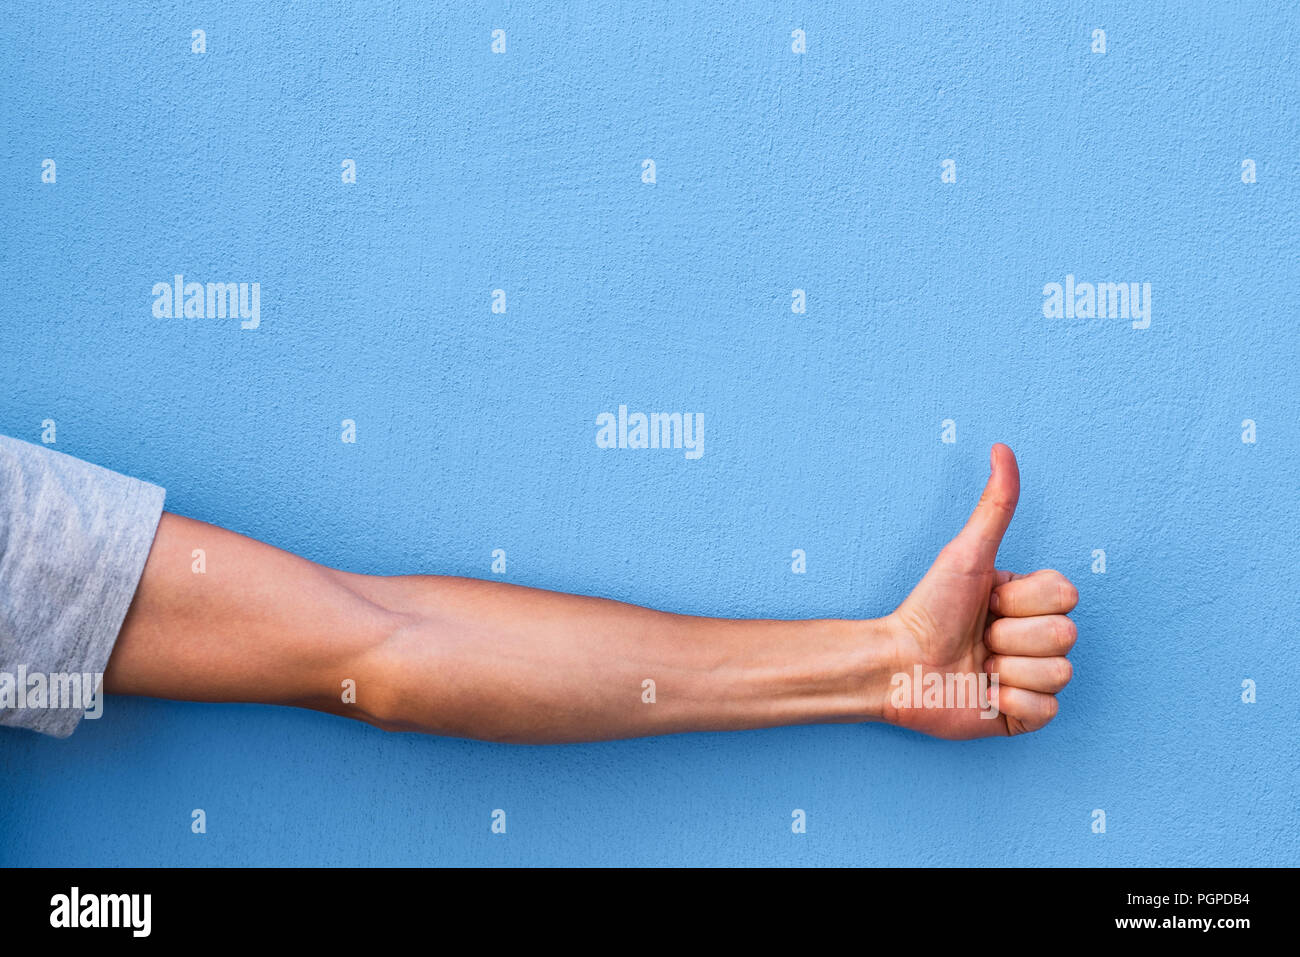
(1064, 672)
(1067, 633)
(1069, 595)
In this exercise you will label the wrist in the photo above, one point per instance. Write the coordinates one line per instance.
(878, 640)
(844, 668)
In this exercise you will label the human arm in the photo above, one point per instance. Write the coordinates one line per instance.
(495, 661)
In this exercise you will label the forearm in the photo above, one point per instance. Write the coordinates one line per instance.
(473, 658)
(489, 660)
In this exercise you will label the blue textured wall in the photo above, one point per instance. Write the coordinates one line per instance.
(476, 431)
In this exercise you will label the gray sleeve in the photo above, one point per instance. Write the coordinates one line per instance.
(74, 538)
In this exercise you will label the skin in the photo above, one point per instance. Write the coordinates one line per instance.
(499, 662)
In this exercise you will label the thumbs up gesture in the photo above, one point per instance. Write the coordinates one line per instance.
(968, 618)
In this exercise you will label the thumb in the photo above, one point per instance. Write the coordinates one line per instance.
(977, 543)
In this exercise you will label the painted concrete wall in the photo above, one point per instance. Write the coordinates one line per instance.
(774, 171)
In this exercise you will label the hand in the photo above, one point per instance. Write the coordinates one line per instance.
(967, 617)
